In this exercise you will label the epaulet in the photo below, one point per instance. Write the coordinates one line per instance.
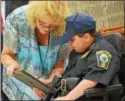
(87, 53)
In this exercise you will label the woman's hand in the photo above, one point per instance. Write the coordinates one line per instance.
(38, 92)
(46, 81)
(8, 58)
(12, 69)
(58, 70)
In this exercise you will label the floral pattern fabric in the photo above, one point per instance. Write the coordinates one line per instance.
(34, 59)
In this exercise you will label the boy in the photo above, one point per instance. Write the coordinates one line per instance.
(98, 63)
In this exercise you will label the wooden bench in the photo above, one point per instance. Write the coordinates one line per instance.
(114, 29)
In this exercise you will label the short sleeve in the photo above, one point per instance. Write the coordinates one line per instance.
(63, 52)
(102, 67)
(10, 34)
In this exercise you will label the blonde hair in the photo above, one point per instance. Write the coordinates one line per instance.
(38, 9)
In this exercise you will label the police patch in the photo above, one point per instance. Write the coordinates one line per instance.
(103, 58)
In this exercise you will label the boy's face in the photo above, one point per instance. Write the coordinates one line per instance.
(81, 43)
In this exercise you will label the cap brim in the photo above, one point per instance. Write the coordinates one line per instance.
(65, 38)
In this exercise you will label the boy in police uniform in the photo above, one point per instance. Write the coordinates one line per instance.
(98, 62)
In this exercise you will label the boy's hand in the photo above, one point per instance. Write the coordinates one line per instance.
(63, 98)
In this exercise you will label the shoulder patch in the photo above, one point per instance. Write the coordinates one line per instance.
(103, 59)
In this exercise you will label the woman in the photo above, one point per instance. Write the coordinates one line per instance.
(29, 37)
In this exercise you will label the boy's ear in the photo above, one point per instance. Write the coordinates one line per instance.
(87, 37)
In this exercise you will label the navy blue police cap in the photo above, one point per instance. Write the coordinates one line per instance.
(75, 24)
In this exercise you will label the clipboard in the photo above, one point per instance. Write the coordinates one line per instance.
(32, 82)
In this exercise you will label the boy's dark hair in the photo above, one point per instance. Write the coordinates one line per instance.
(91, 32)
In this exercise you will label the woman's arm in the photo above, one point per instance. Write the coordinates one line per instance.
(8, 59)
(59, 67)
(57, 71)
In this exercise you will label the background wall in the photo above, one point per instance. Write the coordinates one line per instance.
(106, 13)
(2, 9)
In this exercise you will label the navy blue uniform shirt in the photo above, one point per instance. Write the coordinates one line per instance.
(100, 65)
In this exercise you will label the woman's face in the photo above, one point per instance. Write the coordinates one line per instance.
(46, 24)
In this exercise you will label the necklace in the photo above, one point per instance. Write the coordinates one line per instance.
(44, 70)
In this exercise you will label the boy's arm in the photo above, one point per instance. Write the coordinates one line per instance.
(78, 91)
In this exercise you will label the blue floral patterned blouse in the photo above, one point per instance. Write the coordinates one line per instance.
(34, 59)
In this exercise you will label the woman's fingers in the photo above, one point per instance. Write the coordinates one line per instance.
(10, 71)
(46, 81)
(39, 92)
(41, 79)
